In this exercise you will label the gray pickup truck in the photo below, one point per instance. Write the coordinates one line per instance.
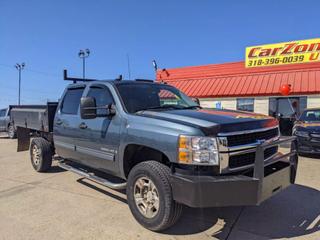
(5, 124)
(159, 145)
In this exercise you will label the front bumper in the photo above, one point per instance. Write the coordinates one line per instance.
(249, 188)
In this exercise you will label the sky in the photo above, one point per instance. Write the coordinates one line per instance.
(47, 36)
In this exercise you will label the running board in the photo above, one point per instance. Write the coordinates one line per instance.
(92, 177)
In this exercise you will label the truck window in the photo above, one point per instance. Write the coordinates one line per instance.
(3, 112)
(141, 96)
(71, 101)
(103, 98)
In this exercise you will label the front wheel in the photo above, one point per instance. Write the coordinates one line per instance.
(150, 196)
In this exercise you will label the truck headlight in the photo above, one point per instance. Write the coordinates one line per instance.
(301, 134)
(198, 150)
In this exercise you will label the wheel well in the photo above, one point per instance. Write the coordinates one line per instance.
(134, 154)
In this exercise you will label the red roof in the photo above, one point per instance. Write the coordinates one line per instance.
(234, 80)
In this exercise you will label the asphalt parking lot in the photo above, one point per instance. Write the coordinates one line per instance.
(61, 205)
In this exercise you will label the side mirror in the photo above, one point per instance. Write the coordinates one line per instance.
(88, 108)
(196, 100)
(111, 110)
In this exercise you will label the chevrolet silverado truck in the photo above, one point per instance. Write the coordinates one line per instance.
(5, 123)
(159, 145)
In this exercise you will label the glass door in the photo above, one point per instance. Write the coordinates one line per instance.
(286, 110)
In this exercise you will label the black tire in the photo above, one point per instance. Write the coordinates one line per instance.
(41, 161)
(294, 162)
(11, 132)
(169, 211)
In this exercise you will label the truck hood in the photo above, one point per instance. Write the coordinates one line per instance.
(214, 121)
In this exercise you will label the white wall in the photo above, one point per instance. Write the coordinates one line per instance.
(313, 101)
(226, 103)
(261, 105)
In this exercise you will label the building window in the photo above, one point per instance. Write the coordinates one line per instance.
(245, 104)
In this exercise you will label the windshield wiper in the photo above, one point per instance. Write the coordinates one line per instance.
(159, 107)
(170, 106)
(192, 107)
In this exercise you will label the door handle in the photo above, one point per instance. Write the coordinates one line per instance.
(83, 125)
(59, 121)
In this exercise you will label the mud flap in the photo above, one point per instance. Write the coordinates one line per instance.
(23, 135)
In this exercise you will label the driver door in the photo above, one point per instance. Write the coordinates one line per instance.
(100, 136)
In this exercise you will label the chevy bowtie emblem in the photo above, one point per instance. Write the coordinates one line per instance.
(261, 141)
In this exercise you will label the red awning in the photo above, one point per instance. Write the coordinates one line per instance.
(234, 80)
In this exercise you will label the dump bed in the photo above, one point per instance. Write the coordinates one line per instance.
(34, 117)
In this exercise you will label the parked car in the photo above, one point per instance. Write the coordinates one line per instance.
(307, 130)
(5, 123)
(165, 150)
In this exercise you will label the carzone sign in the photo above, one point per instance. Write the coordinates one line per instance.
(302, 51)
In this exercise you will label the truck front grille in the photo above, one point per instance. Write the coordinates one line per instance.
(237, 161)
(248, 138)
(237, 149)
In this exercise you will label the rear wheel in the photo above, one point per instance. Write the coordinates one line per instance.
(150, 196)
(11, 132)
(40, 154)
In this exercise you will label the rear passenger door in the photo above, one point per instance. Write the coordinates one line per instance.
(66, 123)
(100, 136)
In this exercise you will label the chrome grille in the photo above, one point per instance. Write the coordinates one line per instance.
(237, 149)
(241, 160)
(248, 138)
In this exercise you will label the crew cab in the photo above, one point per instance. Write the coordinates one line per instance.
(5, 124)
(161, 146)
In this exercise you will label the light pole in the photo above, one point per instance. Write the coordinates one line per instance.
(84, 54)
(155, 65)
(19, 67)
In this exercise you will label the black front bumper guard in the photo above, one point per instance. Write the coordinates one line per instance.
(248, 188)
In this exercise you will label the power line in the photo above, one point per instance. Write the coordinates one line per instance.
(29, 89)
(33, 71)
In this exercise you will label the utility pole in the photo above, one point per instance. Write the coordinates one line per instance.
(84, 54)
(19, 67)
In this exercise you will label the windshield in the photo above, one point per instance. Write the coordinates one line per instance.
(310, 116)
(139, 96)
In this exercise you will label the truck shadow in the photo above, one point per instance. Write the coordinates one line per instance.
(310, 155)
(86, 183)
(294, 212)
(56, 169)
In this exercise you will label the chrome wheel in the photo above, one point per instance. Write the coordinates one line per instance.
(36, 155)
(146, 197)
